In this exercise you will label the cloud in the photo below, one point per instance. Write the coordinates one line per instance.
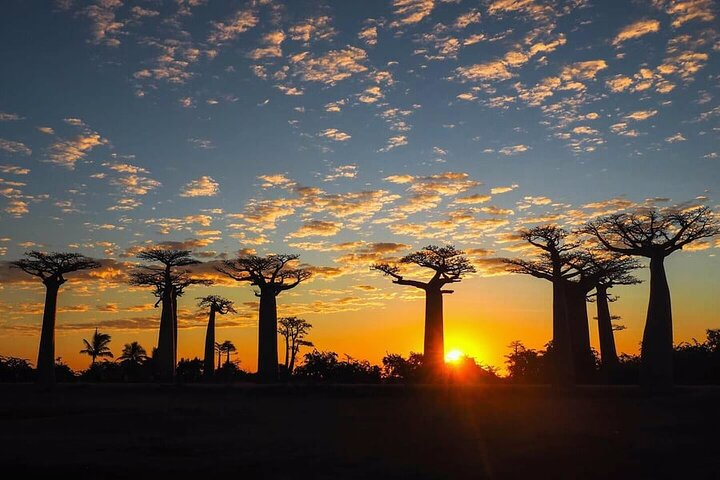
(636, 30)
(13, 147)
(14, 170)
(16, 208)
(493, 70)
(411, 11)
(343, 171)
(9, 117)
(640, 115)
(514, 149)
(332, 67)
(272, 46)
(498, 190)
(394, 142)
(369, 35)
(316, 228)
(473, 199)
(67, 153)
(685, 11)
(678, 137)
(204, 186)
(276, 180)
(105, 27)
(230, 29)
(313, 29)
(335, 134)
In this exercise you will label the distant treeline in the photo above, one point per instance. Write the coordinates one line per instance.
(695, 363)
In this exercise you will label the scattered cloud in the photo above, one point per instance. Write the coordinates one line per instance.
(204, 186)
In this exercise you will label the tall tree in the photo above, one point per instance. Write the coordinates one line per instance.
(655, 235)
(168, 283)
(552, 241)
(51, 268)
(227, 347)
(293, 330)
(219, 351)
(448, 265)
(272, 275)
(97, 346)
(215, 304)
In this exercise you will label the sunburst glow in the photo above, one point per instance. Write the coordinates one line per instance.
(453, 356)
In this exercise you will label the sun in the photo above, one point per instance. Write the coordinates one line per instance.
(453, 356)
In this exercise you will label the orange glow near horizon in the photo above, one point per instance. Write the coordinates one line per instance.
(453, 356)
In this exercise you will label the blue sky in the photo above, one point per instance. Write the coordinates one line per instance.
(347, 131)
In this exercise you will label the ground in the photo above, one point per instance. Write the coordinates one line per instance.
(359, 432)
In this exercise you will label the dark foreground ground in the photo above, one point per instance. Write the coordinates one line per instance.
(365, 432)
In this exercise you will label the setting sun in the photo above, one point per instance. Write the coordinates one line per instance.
(453, 356)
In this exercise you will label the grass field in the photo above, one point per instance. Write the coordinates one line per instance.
(359, 432)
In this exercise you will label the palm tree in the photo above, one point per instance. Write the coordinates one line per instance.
(133, 355)
(97, 346)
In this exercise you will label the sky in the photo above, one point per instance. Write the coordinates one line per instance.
(348, 133)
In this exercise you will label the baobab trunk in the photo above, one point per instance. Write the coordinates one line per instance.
(267, 338)
(46, 353)
(579, 331)
(292, 359)
(175, 328)
(564, 373)
(434, 345)
(608, 354)
(208, 366)
(165, 364)
(657, 345)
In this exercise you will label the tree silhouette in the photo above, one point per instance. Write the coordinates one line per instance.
(293, 329)
(169, 283)
(612, 270)
(97, 346)
(133, 354)
(272, 275)
(552, 240)
(227, 347)
(449, 266)
(215, 304)
(219, 351)
(655, 235)
(51, 268)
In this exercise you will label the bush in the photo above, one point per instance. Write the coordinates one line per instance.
(14, 369)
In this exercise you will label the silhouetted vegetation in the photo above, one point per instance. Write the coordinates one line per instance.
(293, 330)
(97, 347)
(51, 268)
(449, 265)
(272, 275)
(215, 304)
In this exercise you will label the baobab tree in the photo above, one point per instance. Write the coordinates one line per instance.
(168, 283)
(272, 275)
(215, 304)
(449, 265)
(97, 346)
(51, 268)
(553, 241)
(655, 234)
(227, 347)
(613, 271)
(293, 330)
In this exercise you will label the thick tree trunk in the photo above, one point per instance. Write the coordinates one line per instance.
(267, 338)
(575, 298)
(656, 370)
(166, 337)
(608, 354)
(434, 346)
(564, 373)
(175, 328)
(46, 354)
(208, 366)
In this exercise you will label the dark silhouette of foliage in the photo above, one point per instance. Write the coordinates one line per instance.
(104, 371)
(214, 304)
(324, 367)
(526, 365)
(51, 268)
(97, 346)
(14, 369)
(398, 369)
(190, 371)
(449, 265)
(163, 272)
(272, 275)
(63, 372)
(655, 235)
(293, 330)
